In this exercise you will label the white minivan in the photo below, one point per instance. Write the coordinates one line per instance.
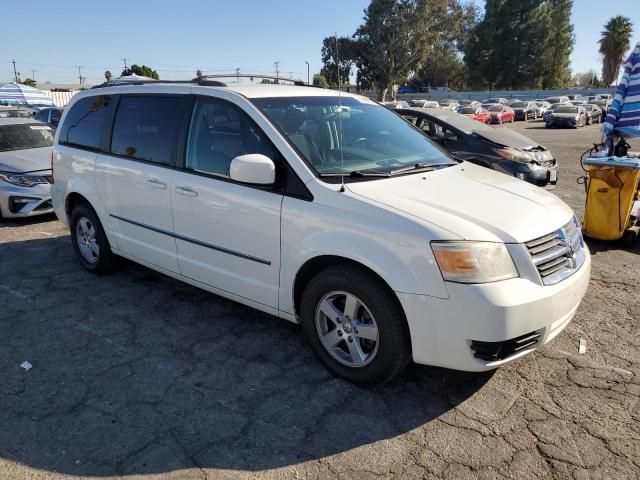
(323, 209)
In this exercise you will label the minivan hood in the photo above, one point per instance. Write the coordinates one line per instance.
(472, 202)
(19, 161)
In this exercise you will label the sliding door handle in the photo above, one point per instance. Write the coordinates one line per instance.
(186, 191)
(155, 183)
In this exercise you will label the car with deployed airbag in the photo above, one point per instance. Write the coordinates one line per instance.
(500, 149)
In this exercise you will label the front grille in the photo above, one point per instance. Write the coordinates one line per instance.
(494, 351)
(548, 163)
(559, 254)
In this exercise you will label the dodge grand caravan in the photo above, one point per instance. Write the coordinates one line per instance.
(323, 209)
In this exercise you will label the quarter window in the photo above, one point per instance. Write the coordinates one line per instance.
(147, 127)
(220, 132)
(83, 124)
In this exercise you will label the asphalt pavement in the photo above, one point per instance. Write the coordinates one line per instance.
(137, 376)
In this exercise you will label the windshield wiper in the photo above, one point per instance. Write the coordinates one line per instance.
(413, 168)
(357, 174)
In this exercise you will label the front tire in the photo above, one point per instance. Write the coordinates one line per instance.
(89, 241)
(355, 325)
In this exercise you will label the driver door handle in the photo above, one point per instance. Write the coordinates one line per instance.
(186, 191)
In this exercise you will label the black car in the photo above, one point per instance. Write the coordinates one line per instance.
(567, 115)
(524, 110)
(501, 149)
(49, 115)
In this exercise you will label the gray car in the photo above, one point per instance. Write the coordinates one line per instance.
(25, 167)
(594, 113)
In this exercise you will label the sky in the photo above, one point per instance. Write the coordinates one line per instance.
(215, 36)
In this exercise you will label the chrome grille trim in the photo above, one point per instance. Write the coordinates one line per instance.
(559, 254)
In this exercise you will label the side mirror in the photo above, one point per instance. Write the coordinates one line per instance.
(253, 168)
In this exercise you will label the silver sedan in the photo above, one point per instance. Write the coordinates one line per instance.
(25, 167)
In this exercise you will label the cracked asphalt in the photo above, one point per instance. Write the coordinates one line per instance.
(137, 376)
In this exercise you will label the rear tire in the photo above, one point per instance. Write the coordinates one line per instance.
(89, 241)
(334, 304)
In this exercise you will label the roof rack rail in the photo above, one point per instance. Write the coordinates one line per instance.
(122, 82)
(299, 83)
(204, 80)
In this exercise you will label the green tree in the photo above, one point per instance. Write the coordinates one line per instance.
(394, 40)
(587, 79)
(521, 44)
(108, 76)
(30, 82)
(559, 42)
(199, 74)
(614, 41)
(142, 71)
(319, 80)
(338, 54)
(443, 65)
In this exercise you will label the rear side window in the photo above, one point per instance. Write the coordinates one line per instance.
(148, 127)
(83, 124)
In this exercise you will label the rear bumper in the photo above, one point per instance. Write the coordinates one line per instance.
(20, 202)
(443, 331)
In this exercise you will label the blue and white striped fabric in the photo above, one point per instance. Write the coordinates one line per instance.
(623, 116)
(17, 94)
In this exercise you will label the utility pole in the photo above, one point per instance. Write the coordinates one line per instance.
(237, 75)
(15, 73)
(308, 82)
(33, 75)
(124, 60)
(80, 74)
(277, 64)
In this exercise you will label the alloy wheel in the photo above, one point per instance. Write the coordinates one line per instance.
(86, 239)
(347, 329)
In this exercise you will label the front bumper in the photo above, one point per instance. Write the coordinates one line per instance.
(540, 175)
(443, 330)
(561, 122)
(20, 202)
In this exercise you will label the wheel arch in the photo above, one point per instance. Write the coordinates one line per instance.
(315, 265)
(74, 199)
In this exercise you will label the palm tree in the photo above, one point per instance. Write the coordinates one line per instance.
(614, 41)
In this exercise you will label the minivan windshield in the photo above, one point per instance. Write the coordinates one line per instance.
(365, 137)
(24, 136)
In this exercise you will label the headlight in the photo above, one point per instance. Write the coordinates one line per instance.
(474, 262)
(509, 153)
(23, 180)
